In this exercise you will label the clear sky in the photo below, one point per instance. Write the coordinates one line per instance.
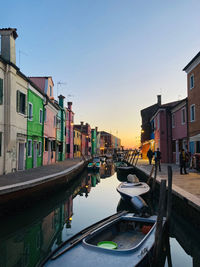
(113, 56)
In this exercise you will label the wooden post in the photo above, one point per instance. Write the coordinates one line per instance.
(159, 223)
(137, 159)
(133, 158)
(169, 195)
(150, 175)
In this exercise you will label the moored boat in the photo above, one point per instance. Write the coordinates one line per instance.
(122, 240)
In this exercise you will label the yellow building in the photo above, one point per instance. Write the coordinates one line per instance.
(77, 143)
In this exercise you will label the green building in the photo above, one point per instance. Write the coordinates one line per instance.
(35, 128)
(94, 141)
(60, 132)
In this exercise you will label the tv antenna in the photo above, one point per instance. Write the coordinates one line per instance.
(21, 53)
(59, 84)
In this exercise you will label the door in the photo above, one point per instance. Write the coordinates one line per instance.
(21, 156)
(34, 154)
(49, 152)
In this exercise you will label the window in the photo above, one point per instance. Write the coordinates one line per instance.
(192, 113)
(1, 144)
(58, 123)
(54, 122)
(50, 89)
(192, 81)
(29, 148)
(40, 149)
(41, 116)
(183, 116)
(173, 121)
(45, 115)
(21, 102)
(1, 91)
(46, 144)
(30, 111)
(173, 145)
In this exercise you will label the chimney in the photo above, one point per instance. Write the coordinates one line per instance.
(8, 37)
(61, 101)
(159, 100)
(82, 125)
(69, 104)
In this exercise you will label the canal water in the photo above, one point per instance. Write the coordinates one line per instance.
(30, 235)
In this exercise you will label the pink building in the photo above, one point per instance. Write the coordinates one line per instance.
(50, 111)
(179, 129)
(162, 127)
(69, 131)
(83, 143)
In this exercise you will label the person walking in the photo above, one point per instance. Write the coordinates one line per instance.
(150, 155)
(183, 162)
(157, 157)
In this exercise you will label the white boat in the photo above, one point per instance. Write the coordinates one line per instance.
(129, 190)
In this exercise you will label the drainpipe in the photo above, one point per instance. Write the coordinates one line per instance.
(44, 105)
(5, 100)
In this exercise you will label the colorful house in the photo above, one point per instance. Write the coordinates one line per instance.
(179, 129)
(77, 143)
(162, 127)
(50, 113)
(60, 133)
(94, 141)
(35, 128)
(193, 90)
(13, 106)
(69, 131)
(86, 129)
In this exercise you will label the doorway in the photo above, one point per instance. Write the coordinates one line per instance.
(34, 154)
(21, 156)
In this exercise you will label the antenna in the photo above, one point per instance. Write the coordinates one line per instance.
(23, 53)
(59, 84)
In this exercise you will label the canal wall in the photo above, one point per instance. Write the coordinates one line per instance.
(184, 204)
(21, 195)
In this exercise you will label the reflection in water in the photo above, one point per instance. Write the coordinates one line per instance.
(26, 238)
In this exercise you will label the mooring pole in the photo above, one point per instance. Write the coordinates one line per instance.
(154, 179)
(150, 175)
(137, 159)
(159, 223)
(169, 194)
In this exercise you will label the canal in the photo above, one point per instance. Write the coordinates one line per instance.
(28, 236)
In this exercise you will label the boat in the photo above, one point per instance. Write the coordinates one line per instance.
(121, 240)
(132, 190)
(120, 164)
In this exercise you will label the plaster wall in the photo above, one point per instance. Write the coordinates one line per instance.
(2, 71)
(180, 129)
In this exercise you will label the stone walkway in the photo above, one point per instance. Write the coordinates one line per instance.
(187, 185)
(32, 174)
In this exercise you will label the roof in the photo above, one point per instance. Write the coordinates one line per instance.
(191, 61)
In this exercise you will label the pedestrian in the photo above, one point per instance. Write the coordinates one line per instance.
(150, 155)
(157, 158)
(183, 162)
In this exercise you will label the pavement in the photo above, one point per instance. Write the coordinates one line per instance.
(186, 185)
(20, 177)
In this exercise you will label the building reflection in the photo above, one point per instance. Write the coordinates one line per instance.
(33, 238)
(107, 169)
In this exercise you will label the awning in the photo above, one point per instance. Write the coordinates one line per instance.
(194, 138)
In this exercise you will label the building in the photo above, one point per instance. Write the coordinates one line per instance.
(147, 135)
(179, 129)
(77, 142)
(46, 86)
(94, 141)
(85, 129)
(111, 143)
(193, 91)
(13, 103)
(35, 128)
(60, 132)
(161, 123)
(69, 131)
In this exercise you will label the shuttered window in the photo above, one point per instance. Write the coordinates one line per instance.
(1, 91)
(21, 102)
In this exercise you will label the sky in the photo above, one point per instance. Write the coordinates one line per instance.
(111, 57)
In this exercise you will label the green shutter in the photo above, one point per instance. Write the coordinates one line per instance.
(1, 91)
(17, 100)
